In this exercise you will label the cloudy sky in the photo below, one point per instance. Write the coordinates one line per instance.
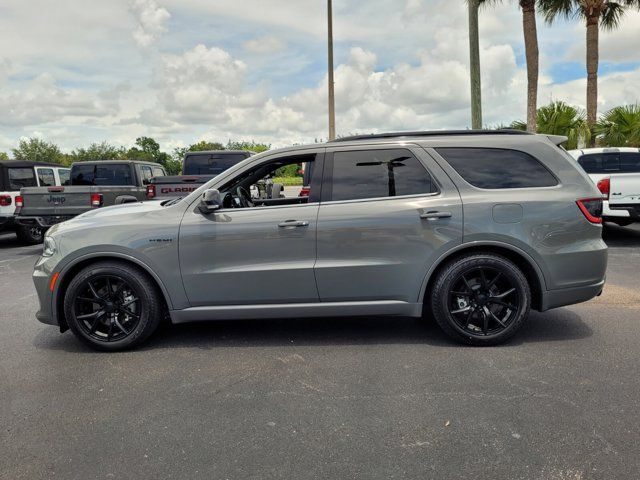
(76, 72)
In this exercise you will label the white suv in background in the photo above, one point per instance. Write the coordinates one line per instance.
(616, 172)
(15, 175)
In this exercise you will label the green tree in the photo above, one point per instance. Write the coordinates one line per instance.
(37, 150)
(620, 127)
(596, 14)
(558, 118)
(98, 151)
(532, 55)
(4, 156)
(250, 146)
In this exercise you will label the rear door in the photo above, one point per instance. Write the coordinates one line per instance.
(387, 214)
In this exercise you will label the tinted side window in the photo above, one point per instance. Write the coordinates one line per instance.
(158, 172)
(378, 174)
(147, 174)
(630, 162)
(45, 177)
(21, 177)
(494, 168)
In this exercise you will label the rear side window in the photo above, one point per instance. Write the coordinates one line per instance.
(45, 177)
(108, 174)
(158, 172)
(210, 164)
(147, 174)
(21, 177)
(493, 168)
(377, 174)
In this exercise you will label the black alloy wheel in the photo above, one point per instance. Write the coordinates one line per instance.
(480, 299)
(112, 305)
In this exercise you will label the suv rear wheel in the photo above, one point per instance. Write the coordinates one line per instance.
(112, 306)
(481, 299)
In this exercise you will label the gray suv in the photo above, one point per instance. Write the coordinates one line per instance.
(472, 229)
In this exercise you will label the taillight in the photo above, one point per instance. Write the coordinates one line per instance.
(96, 199)
(305, 192)
(19, 201)
(604, 186)
(591, 208)
(151, 191)
(5, 200)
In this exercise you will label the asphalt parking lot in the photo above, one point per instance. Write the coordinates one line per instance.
(340, 398)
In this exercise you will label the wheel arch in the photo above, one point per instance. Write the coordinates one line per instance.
(521, 259)
(69, 271)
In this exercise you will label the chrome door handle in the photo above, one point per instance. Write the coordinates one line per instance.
(435, 215)
(293, 223)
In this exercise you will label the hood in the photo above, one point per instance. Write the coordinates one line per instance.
(125, 208)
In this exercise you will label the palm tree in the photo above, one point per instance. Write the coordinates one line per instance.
(596, 14)
(620, 127)
(474, 64)
(558, 118)
(530, 30)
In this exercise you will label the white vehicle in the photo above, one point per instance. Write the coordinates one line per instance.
(616, 172)
(15, 175)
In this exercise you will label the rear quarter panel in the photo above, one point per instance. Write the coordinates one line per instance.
(545, 223)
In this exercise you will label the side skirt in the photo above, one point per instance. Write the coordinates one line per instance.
(292, 310)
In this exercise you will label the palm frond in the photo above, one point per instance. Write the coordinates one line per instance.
(620, 127)
(554, 9)
(611, 15)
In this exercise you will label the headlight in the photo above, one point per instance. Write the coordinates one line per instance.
(49, 247)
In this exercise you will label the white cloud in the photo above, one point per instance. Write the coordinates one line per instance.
(265, 45)
(151, 20)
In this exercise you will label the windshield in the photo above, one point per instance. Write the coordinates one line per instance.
(210, 164)
(108, 174)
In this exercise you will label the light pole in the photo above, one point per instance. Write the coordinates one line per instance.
(332, 101)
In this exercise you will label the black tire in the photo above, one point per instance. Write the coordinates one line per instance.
(30, 234)
(480, 299)
(112, 306)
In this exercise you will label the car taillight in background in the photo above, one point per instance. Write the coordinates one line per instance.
(96, 199)
(151, 191)
(591, 208)
(19, 201)
(5, 200)
(305, 192)
(604, 186)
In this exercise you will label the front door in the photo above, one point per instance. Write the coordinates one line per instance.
(250, 255)
(386, 215)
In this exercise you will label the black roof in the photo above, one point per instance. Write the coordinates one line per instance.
(432, 133)
(23, 163)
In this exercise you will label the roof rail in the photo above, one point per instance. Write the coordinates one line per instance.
(432, 133)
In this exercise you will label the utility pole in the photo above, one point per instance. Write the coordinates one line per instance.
(332, 100)
(474, 65)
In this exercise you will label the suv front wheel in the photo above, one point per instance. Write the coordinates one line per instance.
(112, 306)
(481, 299)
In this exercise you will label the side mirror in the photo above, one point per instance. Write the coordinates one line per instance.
(210, 201)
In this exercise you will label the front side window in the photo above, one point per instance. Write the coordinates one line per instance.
(45, 177)
(107, 174)
(21, 177)
(493, 168)
(365, 174)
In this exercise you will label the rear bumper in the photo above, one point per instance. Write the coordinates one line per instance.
(631, 211)
(7, 222)
(570, 296)
(44, 221)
